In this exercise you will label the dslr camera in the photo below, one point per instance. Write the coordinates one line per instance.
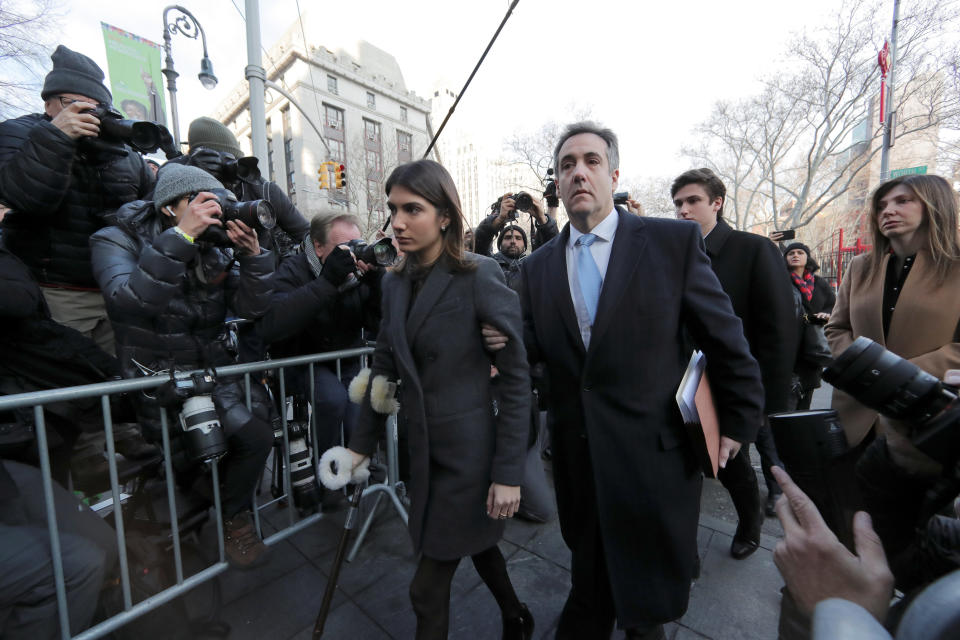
(256, 214)
(116, 132)
(202, 433)
(522, 201)
(381, 253)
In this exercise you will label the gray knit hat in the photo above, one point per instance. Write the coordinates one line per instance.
(210, 133)
(176, 180)
(75, 73)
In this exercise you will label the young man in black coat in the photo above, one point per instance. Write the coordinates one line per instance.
(605, 305)
(750, 271)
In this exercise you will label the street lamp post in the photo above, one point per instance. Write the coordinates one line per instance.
(185, 24)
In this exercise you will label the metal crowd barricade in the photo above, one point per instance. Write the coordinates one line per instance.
(39, 399)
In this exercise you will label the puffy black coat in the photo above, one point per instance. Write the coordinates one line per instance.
(59, 194)
(308, 314)
(168, 299)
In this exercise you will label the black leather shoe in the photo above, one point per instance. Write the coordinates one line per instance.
(519, 628)
(770, 507)
(746, 541)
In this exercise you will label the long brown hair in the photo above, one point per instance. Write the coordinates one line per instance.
(939, 217)
(430, 181)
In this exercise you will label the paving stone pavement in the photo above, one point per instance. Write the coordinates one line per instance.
(732, 600)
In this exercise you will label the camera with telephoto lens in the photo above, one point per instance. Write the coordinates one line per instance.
(381, 253)
(303, 477)
(202, 434)
(899, 389)
(816, 454)
(117, 131)
(256, 214)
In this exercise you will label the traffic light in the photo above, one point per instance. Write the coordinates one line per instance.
(341, 176)
(323, 173)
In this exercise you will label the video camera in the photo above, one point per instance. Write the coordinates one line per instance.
(550, 189)
(202, 433)
(256, 214)
(117, 132)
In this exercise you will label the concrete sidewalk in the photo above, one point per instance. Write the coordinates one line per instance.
(732, 600)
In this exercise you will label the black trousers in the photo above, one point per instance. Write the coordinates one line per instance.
(430, 591)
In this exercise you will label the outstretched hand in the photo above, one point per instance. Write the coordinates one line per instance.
(816, 566)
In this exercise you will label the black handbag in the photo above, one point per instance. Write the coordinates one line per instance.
(814, 350)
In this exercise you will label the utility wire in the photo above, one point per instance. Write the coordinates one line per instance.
(473, 73)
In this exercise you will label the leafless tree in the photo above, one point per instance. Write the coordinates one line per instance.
(26, 30)
(792, 151)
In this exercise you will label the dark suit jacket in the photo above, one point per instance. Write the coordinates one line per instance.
(750, 269)
(457, 446)
(613, 407)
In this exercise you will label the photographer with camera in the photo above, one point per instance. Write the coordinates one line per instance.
(503, 221)
(61, 189)
(62, 183)
(170, 270)
(324, 298)
(214, 148)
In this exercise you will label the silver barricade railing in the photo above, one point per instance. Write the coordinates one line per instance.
(39, 399)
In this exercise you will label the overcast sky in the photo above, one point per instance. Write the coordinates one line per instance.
(649, 70)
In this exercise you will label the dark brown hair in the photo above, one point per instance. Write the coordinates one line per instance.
(707, 179)
(939, 218)
(430, 181)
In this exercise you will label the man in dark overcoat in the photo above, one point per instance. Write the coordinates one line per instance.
(609, 323)
(750, 270)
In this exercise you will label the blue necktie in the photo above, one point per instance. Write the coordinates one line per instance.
(588, 274)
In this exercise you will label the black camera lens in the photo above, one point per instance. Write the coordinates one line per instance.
(885, 382)
(523, 201)
(257, 214)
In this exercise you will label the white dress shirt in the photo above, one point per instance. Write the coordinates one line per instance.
(605, 231)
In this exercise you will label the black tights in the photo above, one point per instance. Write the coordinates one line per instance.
(430, 591)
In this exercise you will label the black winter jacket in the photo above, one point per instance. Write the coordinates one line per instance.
(60, 194)
(308, 315)
(168, 299)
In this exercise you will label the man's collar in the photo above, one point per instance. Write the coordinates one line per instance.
(605, 229)
(715, 240)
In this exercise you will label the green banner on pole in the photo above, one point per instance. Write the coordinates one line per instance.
(896, 173)
(135, 79)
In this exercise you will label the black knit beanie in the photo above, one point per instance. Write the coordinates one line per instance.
(812, 265)
(176, 180)
(75, 73)
(213, 134)
(513, 227)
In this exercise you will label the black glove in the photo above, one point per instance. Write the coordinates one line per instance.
(338, 266)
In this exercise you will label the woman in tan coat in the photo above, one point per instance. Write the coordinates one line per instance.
(904, 295)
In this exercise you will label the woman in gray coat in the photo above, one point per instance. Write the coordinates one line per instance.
(466, 464)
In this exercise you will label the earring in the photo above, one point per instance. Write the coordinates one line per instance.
(443, 229)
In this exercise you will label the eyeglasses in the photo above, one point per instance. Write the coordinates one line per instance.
(66, 102)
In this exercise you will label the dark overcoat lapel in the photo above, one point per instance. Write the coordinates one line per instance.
(559, 287)
(628, 246)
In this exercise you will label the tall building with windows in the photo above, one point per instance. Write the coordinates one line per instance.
(355, 95)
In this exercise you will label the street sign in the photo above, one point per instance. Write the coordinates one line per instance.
(896, 173)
